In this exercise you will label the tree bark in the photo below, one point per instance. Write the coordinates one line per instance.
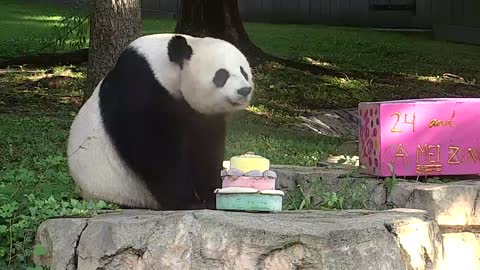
(215, 18)
(221, 19)
(113, 25)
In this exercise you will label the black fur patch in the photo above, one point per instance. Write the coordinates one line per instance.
(221, 77)
(161, 139)
(244, 73)
(179, 50)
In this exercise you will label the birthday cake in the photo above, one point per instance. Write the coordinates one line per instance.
(249, 162)
(248, 184)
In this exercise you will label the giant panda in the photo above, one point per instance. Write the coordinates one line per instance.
(152, 134)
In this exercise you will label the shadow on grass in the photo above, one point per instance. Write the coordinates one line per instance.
(280, 90)
(41, 92)
(291, 90)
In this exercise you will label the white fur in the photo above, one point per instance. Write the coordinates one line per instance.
(94, 164)
(154, 49)
(210, 55)
(195, 81)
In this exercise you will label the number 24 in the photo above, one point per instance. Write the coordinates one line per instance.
(397, 114)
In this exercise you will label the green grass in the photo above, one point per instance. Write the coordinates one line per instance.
(368, 50)
(33, 170)
(34, 179)
(35, 183)
(27, 27)
(420, 60)
(23, 26)
(247, 130)
(344, 48)
(282, 145)
(23, 151)
(293, 91)
(160, 25)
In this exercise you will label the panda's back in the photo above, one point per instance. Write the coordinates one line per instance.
(132, 128)
(96, 167)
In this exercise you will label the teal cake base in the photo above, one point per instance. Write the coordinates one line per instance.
(251, 202)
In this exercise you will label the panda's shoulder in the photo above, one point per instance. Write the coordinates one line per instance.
(146, 58)
(158, 46)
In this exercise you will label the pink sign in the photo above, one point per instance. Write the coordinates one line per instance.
(420, 137)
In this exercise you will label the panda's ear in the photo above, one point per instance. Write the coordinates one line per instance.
(179, 50)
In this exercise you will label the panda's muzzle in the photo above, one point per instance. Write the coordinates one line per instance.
(245, 91)
(234, 103)
(243, 96)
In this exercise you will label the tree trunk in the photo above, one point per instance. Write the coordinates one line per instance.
(113, 25)
(215, 18)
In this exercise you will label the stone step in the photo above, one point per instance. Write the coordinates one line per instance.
(450, 204)
(134, 239)
(462, 250)
(456, 203)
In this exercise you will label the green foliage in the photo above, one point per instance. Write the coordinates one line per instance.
(345, 193)
(37, 267)
(34, 184)
(21, 212)
(306, 202)
(39, 250)
(34, 179)
(71, 32)
(390, 182)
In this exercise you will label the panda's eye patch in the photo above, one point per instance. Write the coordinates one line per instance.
(221, 77)
(244, 73)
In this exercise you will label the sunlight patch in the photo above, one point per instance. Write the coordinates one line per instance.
(42, 18)
(347, 83)
(434, 79)
(318, 63)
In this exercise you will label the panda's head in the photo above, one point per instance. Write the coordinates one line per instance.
(215, 77)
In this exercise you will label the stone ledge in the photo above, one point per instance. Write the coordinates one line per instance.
(461, 250)
(450, 204)
(135, 239)
(454, 203)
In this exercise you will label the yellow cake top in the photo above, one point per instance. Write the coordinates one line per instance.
(249, 162)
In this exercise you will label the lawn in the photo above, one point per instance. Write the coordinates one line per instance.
(343, 48)
(413, 64)
(34, 179)
(34, 119)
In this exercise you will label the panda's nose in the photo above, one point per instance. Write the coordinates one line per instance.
(244, 91)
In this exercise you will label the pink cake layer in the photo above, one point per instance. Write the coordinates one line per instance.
(260, 183)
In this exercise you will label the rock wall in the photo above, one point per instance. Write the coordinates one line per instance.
(455, 205)
(357, 240)
(416, 226)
